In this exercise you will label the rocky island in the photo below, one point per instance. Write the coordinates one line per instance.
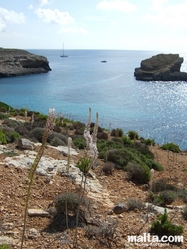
(16, 62)
(161, 67)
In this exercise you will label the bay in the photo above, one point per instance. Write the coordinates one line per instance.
(156, 110)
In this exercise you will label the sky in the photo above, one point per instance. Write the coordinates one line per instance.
(159, 25)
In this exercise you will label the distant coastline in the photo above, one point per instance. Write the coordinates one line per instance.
(17, 62)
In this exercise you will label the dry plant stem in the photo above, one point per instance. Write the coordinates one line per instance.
(31, 179)
(92, 148)
(67, 172)
(49, 127)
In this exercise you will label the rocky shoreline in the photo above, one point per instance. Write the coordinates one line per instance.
(17, 62)
(161, 67)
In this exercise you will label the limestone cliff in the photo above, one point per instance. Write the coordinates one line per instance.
(15, 62)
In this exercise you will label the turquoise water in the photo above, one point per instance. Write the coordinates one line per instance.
(154, 109)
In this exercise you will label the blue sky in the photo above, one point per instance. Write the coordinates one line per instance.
(94, 24)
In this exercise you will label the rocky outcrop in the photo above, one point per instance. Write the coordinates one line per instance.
(15, 62)
(161, 67)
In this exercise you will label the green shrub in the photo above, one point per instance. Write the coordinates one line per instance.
(166, 197)
(3, 116)
(120, 132)
(4, 107)
(84, 164)
(12, 136)
(183, 194)
(149, 142)
(126, 140)
(37, 133)
(73, 202)
(41, 116)
(138, 174)
(79, 143)
(133, 135)
(154, 165)
(171, 147)
(184, 212)
(143, 149)
(10, 123)
(59, 136)
(2, 137)
(119, 156)
(104, 146)
(22, 111)
(57, 142)
(162, 185)
(135, 204)
(163, 226)
(4, 246)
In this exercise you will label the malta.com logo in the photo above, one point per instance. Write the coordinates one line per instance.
(153, 240)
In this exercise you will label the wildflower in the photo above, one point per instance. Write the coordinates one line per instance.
(51, 120)
(91, 139)
(69, 152)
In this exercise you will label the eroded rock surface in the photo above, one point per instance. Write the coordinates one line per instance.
(161, 67)
(15, 62)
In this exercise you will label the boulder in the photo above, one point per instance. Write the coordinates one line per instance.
(161, 67)
(25, 144)
(15, 62)
(120, 208)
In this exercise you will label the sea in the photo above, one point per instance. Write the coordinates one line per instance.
(156, 110)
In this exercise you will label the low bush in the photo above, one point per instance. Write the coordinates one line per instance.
(119, 156)
(182, 193)
(3, 115)
(143, 149)
(104, 233)
(138, 174)
(79, 143)
(126, 140)
(84, 164)
(166, 197)
(184, 212)
(108, 168)
(149, 142)
(37, 133)
(10, 123)
(133, 135)
(12, 136)
(57, 142)
(135, 204)
(4, 107)
(104, 146)
(162, 185)
(163, 226)
(58, 136)
(2, 137)
(171, 147)
(40, 116)
(73, 201)
(4, 246)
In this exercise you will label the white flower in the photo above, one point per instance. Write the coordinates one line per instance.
(51, 119)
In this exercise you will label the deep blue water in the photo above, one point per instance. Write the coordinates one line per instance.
(154, 109)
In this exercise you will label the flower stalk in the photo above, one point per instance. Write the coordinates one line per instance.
(49, 127)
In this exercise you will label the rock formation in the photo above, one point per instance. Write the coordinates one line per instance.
(161, 67)
(15, 62)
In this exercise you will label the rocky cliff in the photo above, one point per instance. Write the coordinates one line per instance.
(161, 67)
(15, 62)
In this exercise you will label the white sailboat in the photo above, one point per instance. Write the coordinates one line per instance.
(63, 55)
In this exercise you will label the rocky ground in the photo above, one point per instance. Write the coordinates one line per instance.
(112, 189)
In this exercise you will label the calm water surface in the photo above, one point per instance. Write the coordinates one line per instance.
(154, 109)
